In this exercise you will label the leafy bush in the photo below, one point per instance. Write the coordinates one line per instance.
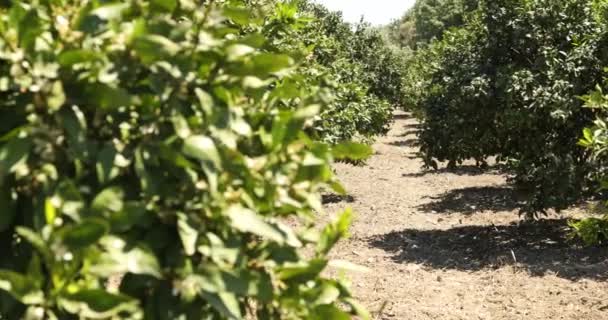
(149, 162)
(507, 84)
(428, 20)
(454, 129)
(357, 66)
(594, 230)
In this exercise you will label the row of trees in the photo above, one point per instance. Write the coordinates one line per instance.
(152, 152)
(505, 78)
(364, 74)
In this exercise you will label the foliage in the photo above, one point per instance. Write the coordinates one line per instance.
(457, 124)
(361, 45)
(507, 84)
(594, 230)
(427, 20)
(150, 154)
(359, 68)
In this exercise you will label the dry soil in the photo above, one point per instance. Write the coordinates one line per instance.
(449, 244)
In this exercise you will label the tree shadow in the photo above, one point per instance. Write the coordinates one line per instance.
(403, 116)
(539, 247)
(463, 170)
(471, 200)
(336, 198)
(404, 143)
(408, 132)
(412, 126)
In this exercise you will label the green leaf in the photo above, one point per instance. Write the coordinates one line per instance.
(98, 304)
(38, 243)
(289, 124)
(218, 251)
(21, 287)
(56, 97)
(242, 282)
(30, 28)
(187, 233)
(206, 101)
(180, 124)
(131, 214)
(588, 134)
(106, 97)
(118, 257)
(253, 82)
(258, 285)
(110, 11)
(225, 303)
(106, 170)
(352, 151)
(338, 188)
(72, 203)
(85, 233)
(327, 295)
(325, 312)
(175, 157)
(302, 272)
(241, 127)
(164, 5)
(306, 112)
(246, 220)
(50, 212)
(202, 148)
(358, 309)
(109, 200)
(238, 15)
(265, 63)
(151, 48)
(12, 134)
(148, 180)
(71, 57)
(75, 126)
(34, 270)
(334, 232)
(255, 40)
(236, 51)
(13, 154)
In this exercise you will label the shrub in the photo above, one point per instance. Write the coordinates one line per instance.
(357, 66)
(428, 20)
(507, 84)
(147, 144)
(594, 230)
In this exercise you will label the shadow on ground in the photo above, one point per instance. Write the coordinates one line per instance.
(540, 247)
(471, 200)
(404, 143)
(463, 170)
(408, 132)
(336, 198)
(412, 126)
(403, 116)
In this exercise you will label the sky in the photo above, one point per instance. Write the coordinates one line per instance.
(375, 11)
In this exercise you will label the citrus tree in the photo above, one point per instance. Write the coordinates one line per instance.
(507, 83)
(356, 65)
(594, 230)
(156, 163)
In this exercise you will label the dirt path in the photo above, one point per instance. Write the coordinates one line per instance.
(447, 245)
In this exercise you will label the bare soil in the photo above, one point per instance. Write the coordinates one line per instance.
(449, 244)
